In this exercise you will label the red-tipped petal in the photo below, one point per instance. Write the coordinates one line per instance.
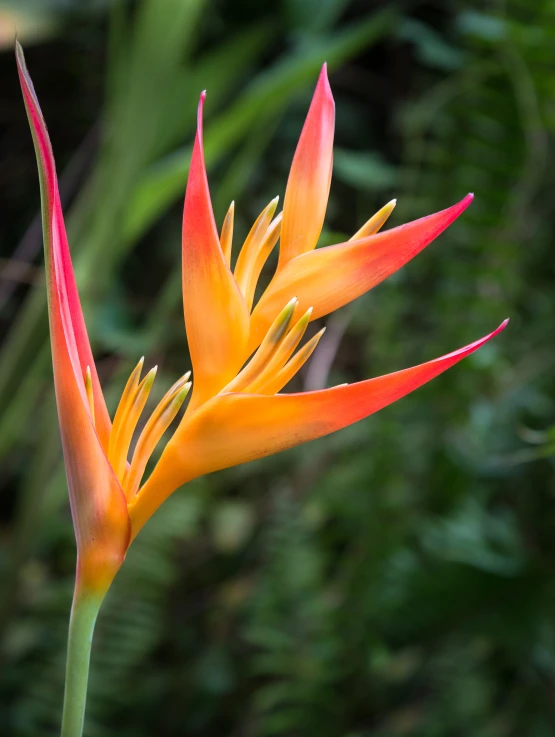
(308, 186)
(329, 278)
(97, 501)
(216, 316)
(235, 428)
(58, 259)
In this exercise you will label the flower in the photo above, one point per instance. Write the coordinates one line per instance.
(242, 357)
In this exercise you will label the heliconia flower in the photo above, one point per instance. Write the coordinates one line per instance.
(243, 354)
(243, 357)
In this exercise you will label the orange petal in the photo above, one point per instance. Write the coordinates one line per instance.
(216, 316)
(235, 428)
(329, 278)
(308, 186)
(97, 502)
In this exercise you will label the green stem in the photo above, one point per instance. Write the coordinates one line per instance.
(81, 627)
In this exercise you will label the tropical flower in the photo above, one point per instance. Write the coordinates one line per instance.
(243, 354)
(241, 357)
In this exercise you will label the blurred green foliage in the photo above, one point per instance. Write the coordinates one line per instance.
(396, 578)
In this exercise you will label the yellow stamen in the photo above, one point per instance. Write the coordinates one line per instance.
(251, 246)
(376, 221)
(127, 396)
(266, 351)
(282, 355)
(128, 423)
(279, 380)
(259, 259)
(89, 390)
(226, 238)
(156, 426)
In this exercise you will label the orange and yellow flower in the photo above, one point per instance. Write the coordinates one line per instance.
(243, 354)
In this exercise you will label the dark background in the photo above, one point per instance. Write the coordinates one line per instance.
(397, 578)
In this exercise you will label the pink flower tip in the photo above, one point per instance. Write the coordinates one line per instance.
(199, 114)
(323, 78)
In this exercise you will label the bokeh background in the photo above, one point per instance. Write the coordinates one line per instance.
(397, 578)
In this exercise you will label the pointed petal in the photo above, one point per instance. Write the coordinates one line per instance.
(308, 186)
(329, 278)
(97, 502)
(236, 428)
(60, 275)
(265, 248)
(250, 252)
(127, 397)
(216, 316)
(123, 431)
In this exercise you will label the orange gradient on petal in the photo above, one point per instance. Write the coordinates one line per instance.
(216, 316)
(330, 277)
(308, 186)
(235, 428)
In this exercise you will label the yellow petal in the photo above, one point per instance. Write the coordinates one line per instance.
(226, 237)
(265, 248)
(90, 391)
(376, 222)
(268, 348)
(156, 426)
(282, 355)
(251, 249)
(284, 376)
(123, 431)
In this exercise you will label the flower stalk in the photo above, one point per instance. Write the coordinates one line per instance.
(84, 611)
